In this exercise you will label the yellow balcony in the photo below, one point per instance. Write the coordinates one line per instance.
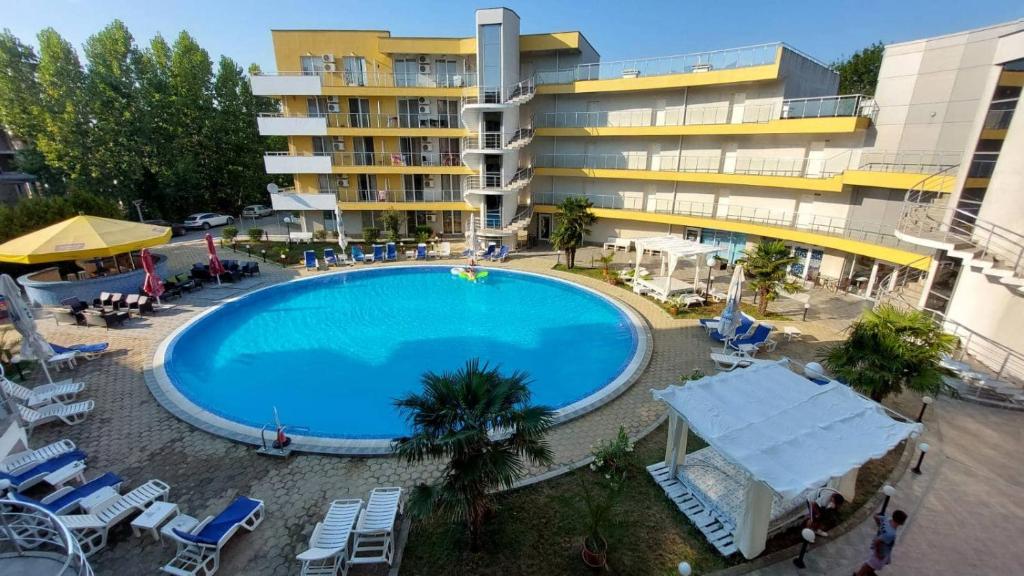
(426, 200)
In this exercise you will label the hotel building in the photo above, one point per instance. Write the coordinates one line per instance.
(873, 194)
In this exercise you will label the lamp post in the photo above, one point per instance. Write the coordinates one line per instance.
(284, 257)
(808, 536)
(923, 447)
(248, 250)
(807, 306)
(707, 287)
(264, 253)
(925, 401)
(684, 569)
(889, 491)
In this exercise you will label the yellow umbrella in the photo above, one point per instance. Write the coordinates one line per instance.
(82, 237)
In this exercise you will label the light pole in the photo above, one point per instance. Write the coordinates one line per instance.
(889, 491)
(138, 206)
(807, 306)
(808, 536)
(923, 447)
(925, 401)
(707, 287)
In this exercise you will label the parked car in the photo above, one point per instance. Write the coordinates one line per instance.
(256, 211)
(176, 229)
(206, 220)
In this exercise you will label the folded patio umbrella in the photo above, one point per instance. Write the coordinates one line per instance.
(732, 315)
(153, 285)
(216, 268)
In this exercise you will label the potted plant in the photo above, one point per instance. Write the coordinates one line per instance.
(673, 307)
(598, 512)
(613, 460)
(606, 267)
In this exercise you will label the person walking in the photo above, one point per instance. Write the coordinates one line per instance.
(881, 546)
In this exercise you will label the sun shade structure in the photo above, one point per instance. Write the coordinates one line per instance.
(82, 237)
(671, 249)
(780, 433)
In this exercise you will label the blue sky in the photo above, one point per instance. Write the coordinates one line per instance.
(826, 29)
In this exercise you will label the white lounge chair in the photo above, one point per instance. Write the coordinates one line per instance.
(91, 530)
(445, 250)
(199, 548)
(374, 534)
(70, 414)
(328, 552)
(63, 391)
(26, 458)
(729, 362)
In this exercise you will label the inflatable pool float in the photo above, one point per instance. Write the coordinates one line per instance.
(464, 274)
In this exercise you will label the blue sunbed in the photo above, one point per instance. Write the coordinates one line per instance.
(72, 496)
(310, 257)
(421, 251)
(501, 255)
(392, 252)
(490, 251)
(357, 254)
(745, 325)
(760, 336)
(378, 252)
(329, 258)
(223, 524)
(33, 475)
(98, 348)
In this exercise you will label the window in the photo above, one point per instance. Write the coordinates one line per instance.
(327, 183)
(408, 113)
(413, 187)
(363, 146)
(449, 149)
(312, 64)
(355, 70)
(411, 149)
(371, 219)
(444, 71)
(451, 222)
(414, 218)
(406, 71)
(316, 105)
(359, 112)
(366, 185)
(490, 62)
(451, 188)
(322, 145)
(448, 113)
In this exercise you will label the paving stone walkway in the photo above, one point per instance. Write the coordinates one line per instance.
(131, 434)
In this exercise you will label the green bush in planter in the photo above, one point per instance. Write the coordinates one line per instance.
(228, 233)
(371, 235)
(320, 235)
(255, 234)
(423, 233)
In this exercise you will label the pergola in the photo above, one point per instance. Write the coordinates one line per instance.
(774, 438)
(671, 249)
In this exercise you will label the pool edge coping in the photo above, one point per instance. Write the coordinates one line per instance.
(180, 406)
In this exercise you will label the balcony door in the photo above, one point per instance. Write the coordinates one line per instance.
(413, 184)
(367, 187)
(408, 113)
(355, 71)
(363, 150)
(739, 105)
(815, 160)
(406, 71)
(359, 112)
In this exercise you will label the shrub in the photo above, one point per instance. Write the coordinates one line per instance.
(614, 458)
(320, 235)
(255, 234)
(229, 233)
(423, 233)
(371, 235)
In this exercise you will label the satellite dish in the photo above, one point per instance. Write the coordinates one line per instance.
(272, 188)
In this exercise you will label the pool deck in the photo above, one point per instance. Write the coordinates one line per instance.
(131, 434)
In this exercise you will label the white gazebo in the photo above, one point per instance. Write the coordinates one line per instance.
(774, 438)
(671, 249)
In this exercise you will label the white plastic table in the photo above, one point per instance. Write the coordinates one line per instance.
(61, 476)
(99, 499)
(792, 333)
(157, 513)
(182, 522)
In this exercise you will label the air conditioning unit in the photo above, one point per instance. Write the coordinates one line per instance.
(333, 99)
(457, 81)
(428, 146)
(333, 107)
(424, 60)
(339, 144)
(430, 217)
(423, 100)
(424, 123)
(328, 57)
(424, 68)
(343, 181)
(330, 67)
(425, 160)
(428, 182)
(424, 109)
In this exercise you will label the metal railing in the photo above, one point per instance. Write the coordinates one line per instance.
(27, 530)
(1002, 360)
(865, 230)
(386, 79)
(517, 93)
(695, 62)
(427, 195)
(374, 120)
(915, 161)
(760, 166)
(383, 158)
(485, 141)
(829, 107)
(519, 179)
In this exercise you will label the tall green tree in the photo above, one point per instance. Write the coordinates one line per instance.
(766, 267)
(190, 166)
(888, 349)
(112, 101)
(858, 74)
(481, 422)
(62, 116)
(19, 91)
(157, 140)
(572, 221)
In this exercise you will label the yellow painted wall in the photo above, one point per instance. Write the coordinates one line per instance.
(834, 184)
(291, 45)
(794, 126)
(885, 253)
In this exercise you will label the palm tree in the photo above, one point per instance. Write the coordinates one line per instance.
(890, 348)
(767, 268)
(483, 423)
(571, 226)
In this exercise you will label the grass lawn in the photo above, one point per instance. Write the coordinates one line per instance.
(706, 311)
(538, 529)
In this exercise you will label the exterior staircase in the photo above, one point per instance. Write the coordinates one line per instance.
(524, 213)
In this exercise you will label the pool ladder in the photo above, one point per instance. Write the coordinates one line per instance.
(268, 449)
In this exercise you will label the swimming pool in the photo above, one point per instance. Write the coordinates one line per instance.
(333, 351)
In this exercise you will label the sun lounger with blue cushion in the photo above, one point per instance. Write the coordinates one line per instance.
(329, 258)
(392, 252)
(421, 251)
(89, 351)
(489, 252)
(310, 257)
(199, 548)
(757, 338)
(68, 498)
(30, 475)
(357, 254)
(378, 253)
(746, 327)
(501, 255)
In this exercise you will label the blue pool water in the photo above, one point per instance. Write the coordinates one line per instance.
(333, 352)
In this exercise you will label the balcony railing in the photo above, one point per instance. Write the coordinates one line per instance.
(801, 167)
(871, 231)
(383, 158)
(374, 120)
(696, 62)
(387, 79)
(824, 107)
(916, 161)
(399, 196)
(998, 119)
(485, 141)
(521, 91)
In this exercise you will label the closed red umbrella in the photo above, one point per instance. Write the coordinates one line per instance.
(216, 268)
(153, 285)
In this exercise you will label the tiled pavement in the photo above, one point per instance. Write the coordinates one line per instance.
(129, 433)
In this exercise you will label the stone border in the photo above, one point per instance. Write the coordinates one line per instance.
(167, 394)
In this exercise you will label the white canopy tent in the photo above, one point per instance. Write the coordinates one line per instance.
(671, 248)
(782, 433)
